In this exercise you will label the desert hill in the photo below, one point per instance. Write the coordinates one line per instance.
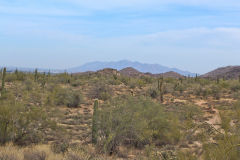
(229, 72)
(129, 71)
(171, 74)
(132, 72)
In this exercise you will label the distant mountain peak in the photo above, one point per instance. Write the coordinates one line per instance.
(119, 65)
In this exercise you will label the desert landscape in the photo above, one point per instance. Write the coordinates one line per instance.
(126, 114)
(119, 80)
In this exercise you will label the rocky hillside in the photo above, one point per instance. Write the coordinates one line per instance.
(172, 74)
(132, 72)
(129, 71)
(229, 72)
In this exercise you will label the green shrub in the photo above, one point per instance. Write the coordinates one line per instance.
(226, 148)
(68, 97)
(135, 122)
(179, 87)
(74, 99)
(153, 93)
(76, 83)
(22, 125)
(235, 86)
(61, 146)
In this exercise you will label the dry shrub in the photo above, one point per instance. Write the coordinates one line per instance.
(60, 146)
(101, 91)
(50, 155)
(8, 157)
(35, 155)
(40, 152)
(73, 156)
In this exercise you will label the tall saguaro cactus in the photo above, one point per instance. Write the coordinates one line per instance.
(43, 80)
(160, 88)
(3, 80)
(196, 78)
(94, 123)
(36, 75)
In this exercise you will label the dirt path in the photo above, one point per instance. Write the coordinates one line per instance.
(210, 113)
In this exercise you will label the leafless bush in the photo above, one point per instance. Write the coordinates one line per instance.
(34, 155)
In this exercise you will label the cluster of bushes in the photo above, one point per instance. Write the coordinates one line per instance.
(21, 124)
(68, 97)
(226, 139)
(134, 82)
(101, 91)
(134, 122)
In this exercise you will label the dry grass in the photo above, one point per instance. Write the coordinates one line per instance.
(40, 152)
(43, 152)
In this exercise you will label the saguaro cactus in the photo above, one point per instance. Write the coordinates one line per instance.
(36, 75)
(196, 77)
(160, 88)
(3, 81)
(94, 122)
(16, 72)
(181, 80)
(43, 80)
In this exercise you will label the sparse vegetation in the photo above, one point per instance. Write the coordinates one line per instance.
(106, 115)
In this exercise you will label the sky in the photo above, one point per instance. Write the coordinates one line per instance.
(193, 35)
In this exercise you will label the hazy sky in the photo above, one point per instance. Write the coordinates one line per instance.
(194, 35)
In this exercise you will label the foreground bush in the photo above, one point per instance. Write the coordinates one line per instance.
(227, 144)
(135, 122)
(21, 124)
